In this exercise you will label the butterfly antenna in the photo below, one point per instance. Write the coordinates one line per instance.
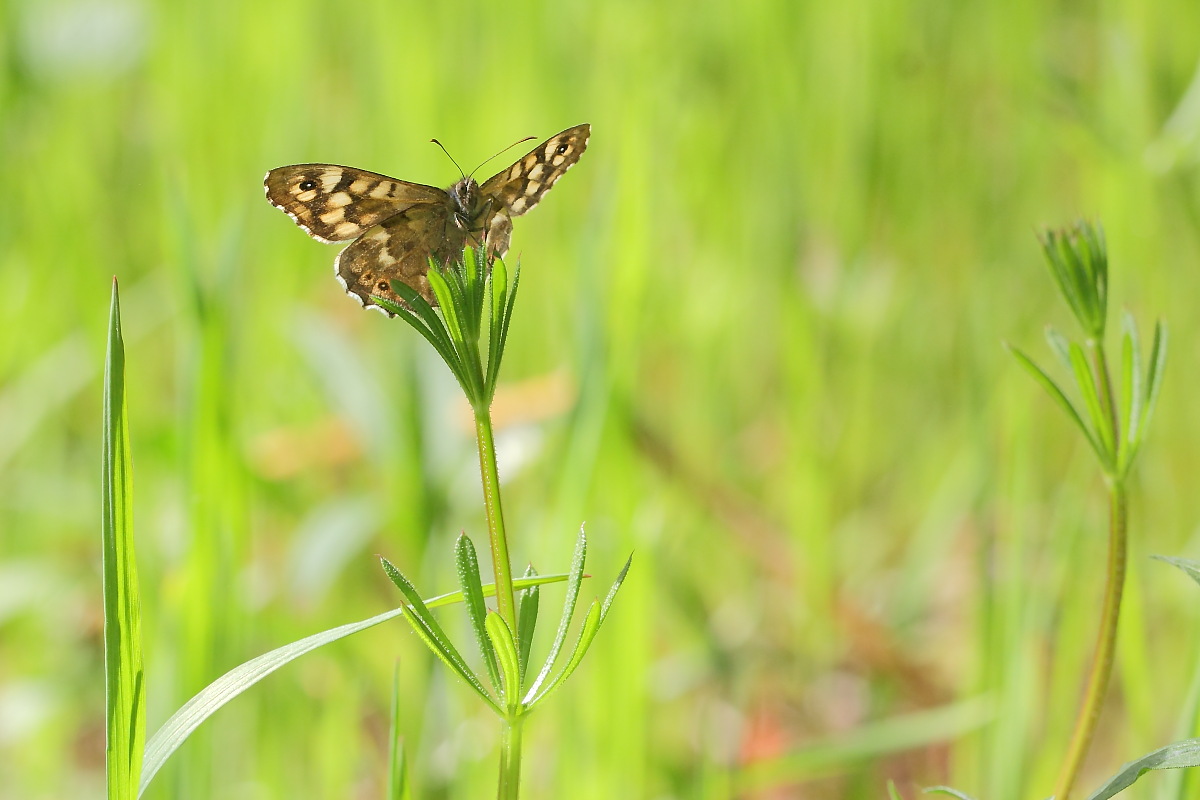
(452, 161)
(502, 152)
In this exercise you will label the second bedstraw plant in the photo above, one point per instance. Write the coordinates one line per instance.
(472, 301)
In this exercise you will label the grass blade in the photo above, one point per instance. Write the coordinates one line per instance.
(124, 671)
(214, 696)
(947, 790)
(397, 761)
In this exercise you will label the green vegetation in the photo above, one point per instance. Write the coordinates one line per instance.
(758, 344)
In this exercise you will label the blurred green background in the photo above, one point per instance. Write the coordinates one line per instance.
(758, 344)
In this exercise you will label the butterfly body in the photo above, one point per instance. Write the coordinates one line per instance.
(397, 226)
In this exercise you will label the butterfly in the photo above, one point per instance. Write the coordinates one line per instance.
(397, 226)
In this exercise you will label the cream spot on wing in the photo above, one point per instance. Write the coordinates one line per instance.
(558, 160)
(339, 199)
(360, 186)
(330, 178)
(551, 146)
(515, 172)
(535, 174)
(530, 160)
(384, 189)
(307, 197)
(519, 205)
(345, 230)
(380, 235)
(532, 187)
(386, 258)
(335, 216)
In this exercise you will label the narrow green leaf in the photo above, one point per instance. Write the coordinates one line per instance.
(947, 790)
(1132, 393)
(194, 712)
(440, 282)
(597, 613)
(1057, 395)
(397, 761)
(1191, 568)
(497, 297)
(1086, 381)
(472, 588)
(527, 612)
(124, 671)
(587, 632)
(564, 622)
(431, 633)
(1158, 363)
(1059, 345)
(612, 592)
(418, 311)
(474, 286)
(1178, 755)
(893, 792)
(187, 719)
(502, 328)
(502, 640)
(423, 319)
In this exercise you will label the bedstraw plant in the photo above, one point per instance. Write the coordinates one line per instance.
(472, 300)
(1112, 411)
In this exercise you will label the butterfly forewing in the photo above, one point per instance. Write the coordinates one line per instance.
(398, 226)
(520, 187)
(336, 204)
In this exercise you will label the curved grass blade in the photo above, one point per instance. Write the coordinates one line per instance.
(124, 671)
(1174, 756)
(947, 790)
(195, 711)
(397, 760)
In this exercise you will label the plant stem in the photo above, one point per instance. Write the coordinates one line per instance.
(510, 759)
(1107, 401)
(1102, 660)
(501, 567)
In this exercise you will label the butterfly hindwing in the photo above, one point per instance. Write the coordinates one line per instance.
(336, 204)
(399, 249)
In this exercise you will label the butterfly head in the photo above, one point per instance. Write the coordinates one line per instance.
(468, 201)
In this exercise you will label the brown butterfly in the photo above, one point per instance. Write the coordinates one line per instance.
(397, 226)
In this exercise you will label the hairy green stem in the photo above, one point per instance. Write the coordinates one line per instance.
(510, 759)
(1102, 660)
(505, 602)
